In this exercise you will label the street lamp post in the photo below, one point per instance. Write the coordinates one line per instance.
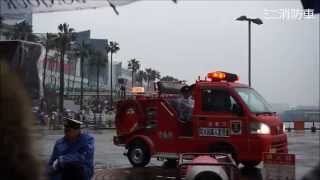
(258, 22)
(108, 50)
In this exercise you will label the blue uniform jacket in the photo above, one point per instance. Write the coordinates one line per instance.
(80, 152)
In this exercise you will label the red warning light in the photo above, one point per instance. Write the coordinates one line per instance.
(222, 76)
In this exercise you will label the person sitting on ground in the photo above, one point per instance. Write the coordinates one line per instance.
(185, 104)
(73, 154)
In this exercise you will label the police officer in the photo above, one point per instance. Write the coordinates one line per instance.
(72, 156)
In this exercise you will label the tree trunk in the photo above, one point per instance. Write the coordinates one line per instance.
(111, 94)
(45, 69)
(68, 82)
(81, 83)
(97, 100)
(98, 73)
(61, 88)
(56, 64)
(132, 77)
(52, 68)
(74, 75)
(88, 71)
(73, 82)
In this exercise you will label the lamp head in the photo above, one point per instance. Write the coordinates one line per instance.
(242, 18)
(257, 21)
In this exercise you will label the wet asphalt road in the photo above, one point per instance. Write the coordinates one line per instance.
(110, 163)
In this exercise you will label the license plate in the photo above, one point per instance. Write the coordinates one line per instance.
(219, 132)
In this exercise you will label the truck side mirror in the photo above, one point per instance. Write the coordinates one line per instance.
(237, 110)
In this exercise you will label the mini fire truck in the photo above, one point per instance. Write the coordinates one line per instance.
(227, 117)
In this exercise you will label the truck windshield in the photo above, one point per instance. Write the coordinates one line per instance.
(255, 102)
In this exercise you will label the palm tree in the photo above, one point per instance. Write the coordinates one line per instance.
(141, 76)
(49, 44)
(155, 75)
(55, 69)
(148, 73)
(169, 78)
(65, 38)
(112, 47)
(152, 75)
(73, 60)
(134, 65)
(98, 60)
(82, 50)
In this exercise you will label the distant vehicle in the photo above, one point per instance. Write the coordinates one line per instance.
(227, 117)
(25, 58)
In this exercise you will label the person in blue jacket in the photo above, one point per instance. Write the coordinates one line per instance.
(72, 156)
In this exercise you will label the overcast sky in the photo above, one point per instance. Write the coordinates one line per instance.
(192, 38)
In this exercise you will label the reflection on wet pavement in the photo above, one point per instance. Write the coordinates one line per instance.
(147, 173)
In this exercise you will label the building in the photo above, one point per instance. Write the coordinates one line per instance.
(5, 30)
(9, 20)
(72, 70)
(309, 114)
(72, 73)
(118, 72)
(98, 45)
(279, 107)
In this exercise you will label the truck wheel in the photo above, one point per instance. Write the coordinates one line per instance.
(250, 164)
(138, 154)
(224, 148)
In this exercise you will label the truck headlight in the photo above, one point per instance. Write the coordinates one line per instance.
(259, 128)
(283, 128)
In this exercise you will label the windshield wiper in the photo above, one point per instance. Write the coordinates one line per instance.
(266, 112)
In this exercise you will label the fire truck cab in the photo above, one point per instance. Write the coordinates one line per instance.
(226, 117)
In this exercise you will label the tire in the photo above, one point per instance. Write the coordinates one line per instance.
(224, 148)
(208, 175)
(250, 164)
(138, 154)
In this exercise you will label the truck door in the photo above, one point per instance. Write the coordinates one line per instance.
(219, 119)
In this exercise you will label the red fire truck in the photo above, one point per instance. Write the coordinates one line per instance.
(227, 117)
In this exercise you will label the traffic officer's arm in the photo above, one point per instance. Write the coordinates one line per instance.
(84, 154)
(54, 155)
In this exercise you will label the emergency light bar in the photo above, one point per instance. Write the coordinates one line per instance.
(137, 90)
(222, 76)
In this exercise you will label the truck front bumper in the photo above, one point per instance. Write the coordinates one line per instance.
(259, 144)
(118, 140)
